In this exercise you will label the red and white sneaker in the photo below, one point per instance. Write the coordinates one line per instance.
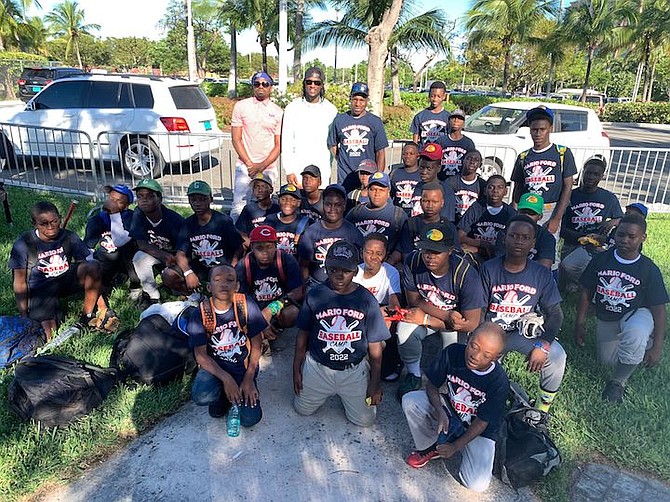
(418, 459)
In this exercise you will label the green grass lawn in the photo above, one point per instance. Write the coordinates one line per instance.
(635, 435)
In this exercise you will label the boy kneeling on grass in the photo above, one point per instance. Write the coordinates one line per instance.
(228, 352)
(629, 296)
(49, 263)
(462, 407)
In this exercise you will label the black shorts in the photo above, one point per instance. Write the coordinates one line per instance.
(44, 301)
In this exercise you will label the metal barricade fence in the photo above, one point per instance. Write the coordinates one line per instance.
(69, 161)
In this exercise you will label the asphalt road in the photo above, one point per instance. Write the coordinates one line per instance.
(638, 135)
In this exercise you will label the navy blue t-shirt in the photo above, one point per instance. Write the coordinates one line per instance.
(541, 173)
(51, 258)
(312, 211)
(253, 215)
(357, 139)
(619, 287)
(402, 188)
(267, 284)
(430, 126)
(341, 326)
(164, 235)
(99, 230)
(387, 220)
(587, 211)
(467, 193)
(513, 294)
(545, 245)
(480, 221)
(448, 208)
(316, 241)
(288, 234)
(472, 394)
(442, 292)
(210, 245)
(227, 345)
(453, 152)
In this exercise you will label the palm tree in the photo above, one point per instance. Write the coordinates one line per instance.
(67, 20)
(598, 26)
(509, 21)
(12, 25)
(233, 13)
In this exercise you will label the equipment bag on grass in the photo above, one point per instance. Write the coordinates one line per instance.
(56, 390)
(153, 352)
(524, 451)
(19, 338)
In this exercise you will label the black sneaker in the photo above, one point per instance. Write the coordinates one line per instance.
(409, 384)
(614, 392)
(219, 408)
(146, 302)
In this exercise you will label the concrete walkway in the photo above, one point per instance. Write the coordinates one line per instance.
(322, 458)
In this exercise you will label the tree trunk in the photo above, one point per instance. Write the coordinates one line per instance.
(297, 40)
(232, 72)
(377, 40)
(552, 71)
(646, 68)
(76, 46)
(395, 79)
(651, 81)
(506, 69)
(264, 52)
(587, 77)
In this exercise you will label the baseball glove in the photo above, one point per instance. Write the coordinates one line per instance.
(531, 325)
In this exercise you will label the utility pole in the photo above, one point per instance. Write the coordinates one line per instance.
(190, 44)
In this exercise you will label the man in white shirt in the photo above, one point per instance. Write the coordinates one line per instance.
(305, 130)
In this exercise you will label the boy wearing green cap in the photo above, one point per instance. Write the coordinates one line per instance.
(155, 228)
(206, 239)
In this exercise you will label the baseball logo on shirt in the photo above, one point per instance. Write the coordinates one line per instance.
(432, 129)
(586, 217)
(107, 243)
(462, 399)
(405, 191)
(226, 345)
(451, 161)
(509, 308)
(615, 294)
(53, 263)
(338, 334)
(207, 251)
(355, 139)
(538, 177)
(487, 233)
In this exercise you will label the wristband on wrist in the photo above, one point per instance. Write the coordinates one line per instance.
(543, 346)
(275, 307)
(188, 272)
(426, 320)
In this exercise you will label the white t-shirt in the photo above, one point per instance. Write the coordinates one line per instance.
(386, 282)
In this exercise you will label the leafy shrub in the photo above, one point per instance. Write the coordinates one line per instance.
(652, 113)
(212, 89)
(470, 104)
(397, 120)
(223, 107)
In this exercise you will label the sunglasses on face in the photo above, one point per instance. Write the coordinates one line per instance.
(261, 84)
(313, 82)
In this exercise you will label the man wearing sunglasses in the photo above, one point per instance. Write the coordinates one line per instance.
(305, 130)
(256, 129)
(355, 136)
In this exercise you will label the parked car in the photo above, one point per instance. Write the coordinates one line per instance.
(144, 122)
(500, 131)
(33, 80)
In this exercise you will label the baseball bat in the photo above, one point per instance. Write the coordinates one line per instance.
(5, 203)
(73, 206)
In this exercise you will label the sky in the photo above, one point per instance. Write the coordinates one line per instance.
(139, 18)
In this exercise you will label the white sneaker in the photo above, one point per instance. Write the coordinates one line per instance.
(135, 294)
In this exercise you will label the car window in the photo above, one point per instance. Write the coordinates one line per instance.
(143, 96)
(570, 121)
(104, 95)
(495, 120)
(37, 73)
(189, 97)
(61, 95)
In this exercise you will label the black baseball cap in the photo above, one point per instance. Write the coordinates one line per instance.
(343, 254)
(360, 89)
(540, 112)
(335, 188)
(312, 170)
(290, 189)
(436, 237)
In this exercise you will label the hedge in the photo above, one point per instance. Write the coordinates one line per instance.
(651, 113)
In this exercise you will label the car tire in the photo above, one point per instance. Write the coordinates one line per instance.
(141, 158)
(490, 166)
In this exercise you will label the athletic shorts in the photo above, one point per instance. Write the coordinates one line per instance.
(44, 300)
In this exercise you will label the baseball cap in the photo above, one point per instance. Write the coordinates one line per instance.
(290, 189)
(312, 170)
(431, 151)
(335, 188)
(122, 189)
(639, 207)
(457, 113)
(314, 71)
(343, 254)
(368, 166)
(199, 187)
(149, 184)
(381, 179)
(261, 74)
(540, 112)
(360, 89)
(435, 237)
(262, 177)
(532, 201)
(263, 233)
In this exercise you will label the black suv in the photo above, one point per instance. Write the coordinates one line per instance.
(32, 80)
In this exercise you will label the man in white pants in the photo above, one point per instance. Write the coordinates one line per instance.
(305, 130)
(256, 130)
(462, 407)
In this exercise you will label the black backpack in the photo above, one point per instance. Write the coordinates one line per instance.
(524, 451)
(56, 390)
(153, 352)
(19, 338)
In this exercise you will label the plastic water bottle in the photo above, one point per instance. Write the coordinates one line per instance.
(234, 421)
